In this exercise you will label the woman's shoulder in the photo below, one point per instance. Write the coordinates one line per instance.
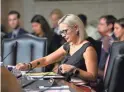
(89, 47)
(86, 45)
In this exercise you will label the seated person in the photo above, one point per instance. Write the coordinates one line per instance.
(55, 15)
(79, 54)
(119, 33)
(105, 28)
(119, 29)
(14, 24)
(41, 29)
(90, 30)
(9, 82)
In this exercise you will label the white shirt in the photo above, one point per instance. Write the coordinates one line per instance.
(56, 30)
(92, 32)
(15, 32)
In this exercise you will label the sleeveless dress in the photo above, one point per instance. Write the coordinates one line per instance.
(76, 59)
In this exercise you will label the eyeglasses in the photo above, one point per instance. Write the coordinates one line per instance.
(64, 32)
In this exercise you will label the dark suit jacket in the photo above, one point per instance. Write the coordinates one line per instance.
(104, 55)
(21, 32)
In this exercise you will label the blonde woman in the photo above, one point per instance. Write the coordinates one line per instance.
(78, 53)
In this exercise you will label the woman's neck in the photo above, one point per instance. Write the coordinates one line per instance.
(77, 41)
(41, 34)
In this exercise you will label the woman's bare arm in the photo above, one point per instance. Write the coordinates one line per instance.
(90, 58)
(52, 58)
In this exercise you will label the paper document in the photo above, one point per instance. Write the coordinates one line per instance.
(41, 74)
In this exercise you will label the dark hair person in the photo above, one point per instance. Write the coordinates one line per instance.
(106, 24)
(41, 29)
(105, 28)
(90, 29)
(79, 54)
(83, 19)
(15, 25)
(119, 33)
(15, 12)
(119, 29)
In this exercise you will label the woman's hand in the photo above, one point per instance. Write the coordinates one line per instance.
(22, 66)
(64, 68)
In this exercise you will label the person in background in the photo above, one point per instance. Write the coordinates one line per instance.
(55, 15)
(41, 29)
(14, 24)
(105, 28)
(119, 33)
(79, 54)
(119, 29)
(90, 30)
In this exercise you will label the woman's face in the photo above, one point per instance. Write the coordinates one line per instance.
(36, 27)
(118, 30)
(69, 33)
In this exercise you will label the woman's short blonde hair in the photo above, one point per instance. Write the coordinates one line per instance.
(71, 20)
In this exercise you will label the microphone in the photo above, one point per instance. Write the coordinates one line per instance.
(14, 46)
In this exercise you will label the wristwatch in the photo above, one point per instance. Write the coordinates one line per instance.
(76, 72)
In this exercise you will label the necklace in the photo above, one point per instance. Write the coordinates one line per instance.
(73, 45)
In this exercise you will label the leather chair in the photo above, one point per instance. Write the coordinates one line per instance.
(116, 49)
(23, 49)
(117, 76)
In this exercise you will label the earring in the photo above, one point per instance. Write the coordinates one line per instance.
(77, 32)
